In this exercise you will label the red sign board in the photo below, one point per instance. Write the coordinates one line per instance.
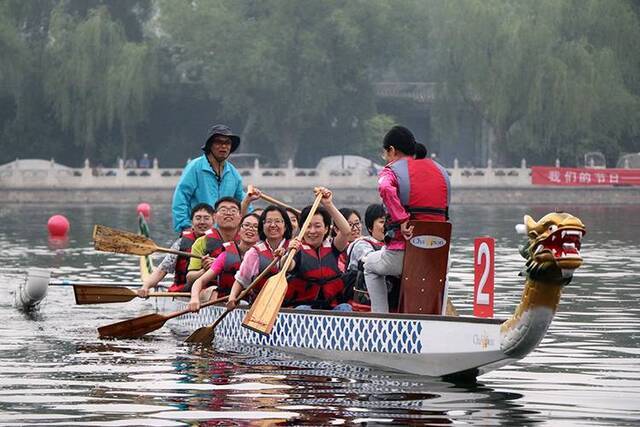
(483, 259)
(546, 175)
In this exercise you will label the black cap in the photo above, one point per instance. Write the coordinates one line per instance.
(221, 130)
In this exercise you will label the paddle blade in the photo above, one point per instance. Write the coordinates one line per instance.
(87, 294)
(133, 328)
(109, 239)
(265, 308)
(203, 335)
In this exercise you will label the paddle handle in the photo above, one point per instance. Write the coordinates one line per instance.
(104, 284)
(169, 294)
(217, 300)
(175, 252)
(247, 290)
(278, 203)
(203, 305)
(303, 230)
(258, 278)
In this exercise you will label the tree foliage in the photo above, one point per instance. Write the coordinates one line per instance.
(96, 77)
(11, 46)
(550, 77)
(547, 78)
(284, 65)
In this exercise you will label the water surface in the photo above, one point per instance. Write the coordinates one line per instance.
(55, 371)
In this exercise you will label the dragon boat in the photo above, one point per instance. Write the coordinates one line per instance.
(433, 345)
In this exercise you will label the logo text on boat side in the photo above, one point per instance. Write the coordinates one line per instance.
(483, 341)
(428, 242)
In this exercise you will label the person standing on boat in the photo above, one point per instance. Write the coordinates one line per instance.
(410, 188)
(210, 245)
(202, 220)
(207, 178)
(226, 265)
(316, 280)
(274, 229)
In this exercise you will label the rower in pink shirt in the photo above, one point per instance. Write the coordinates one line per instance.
(411, 187)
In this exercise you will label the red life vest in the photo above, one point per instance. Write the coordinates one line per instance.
(423, 188)
(231, 265)
(317, 279)
(343, 260)
(214, 246)
(265, 256)
(182, 262)
(214, 242)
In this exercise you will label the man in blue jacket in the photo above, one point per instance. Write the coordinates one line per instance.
(207, 178)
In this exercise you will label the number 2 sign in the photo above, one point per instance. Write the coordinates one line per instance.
(483, 258)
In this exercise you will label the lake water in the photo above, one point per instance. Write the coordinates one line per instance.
(55, 371)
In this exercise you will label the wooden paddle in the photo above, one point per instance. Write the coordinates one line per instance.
(135, 328)
(87, 294)
(265, 308)
(274, 201)
(121, 284)
(205, 334)
(112, 240)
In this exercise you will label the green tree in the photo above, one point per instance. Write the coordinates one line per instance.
(374, 130)
(13, 54)
(96, 79)
(549, 77)
(285, 66)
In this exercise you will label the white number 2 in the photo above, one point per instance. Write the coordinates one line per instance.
(483, 251)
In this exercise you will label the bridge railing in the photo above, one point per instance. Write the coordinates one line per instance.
(39, 174)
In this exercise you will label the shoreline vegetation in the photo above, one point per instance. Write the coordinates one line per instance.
(476, 80)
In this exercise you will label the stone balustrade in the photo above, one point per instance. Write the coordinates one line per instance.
(42, 174)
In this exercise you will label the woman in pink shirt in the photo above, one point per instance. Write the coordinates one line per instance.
(411, 187)
(224, 265)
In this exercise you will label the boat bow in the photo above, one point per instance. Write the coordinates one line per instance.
(552, 254)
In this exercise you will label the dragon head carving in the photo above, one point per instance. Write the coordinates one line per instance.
(553, 248)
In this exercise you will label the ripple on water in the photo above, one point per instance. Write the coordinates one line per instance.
(55, 370)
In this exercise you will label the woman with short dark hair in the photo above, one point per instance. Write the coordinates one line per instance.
(274, 229)
(316, 280)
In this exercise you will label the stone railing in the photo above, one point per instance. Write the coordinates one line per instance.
(42, 174)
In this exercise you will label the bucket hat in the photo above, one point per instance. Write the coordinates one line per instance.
(221, 130)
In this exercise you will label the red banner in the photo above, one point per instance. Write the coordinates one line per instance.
(546, 175)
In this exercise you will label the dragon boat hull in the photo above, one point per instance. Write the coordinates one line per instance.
(433, 346)
(429, 345)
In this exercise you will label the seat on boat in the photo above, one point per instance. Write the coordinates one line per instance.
(424, 271)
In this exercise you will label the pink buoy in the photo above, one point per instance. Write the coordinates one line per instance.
(58, 226)
(144, 209)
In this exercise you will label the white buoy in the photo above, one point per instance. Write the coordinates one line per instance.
(33, 290)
